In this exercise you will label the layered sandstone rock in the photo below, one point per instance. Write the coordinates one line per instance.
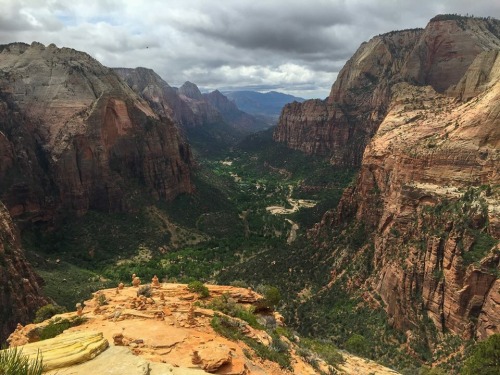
(428, 191)
(167, 333)
(85, 134)
(341, 126)
(206, 128)
(187, 105)
(20, 293)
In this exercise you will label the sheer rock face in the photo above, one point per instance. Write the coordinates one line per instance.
(20, 293)
(414, 193)
(186, 105)
(342, 125)
(79, 133)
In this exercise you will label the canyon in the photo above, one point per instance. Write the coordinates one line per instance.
(428, 189)
(414, 237)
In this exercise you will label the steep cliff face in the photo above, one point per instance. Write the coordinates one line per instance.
(20, 294)
(84, 134)
(428, 191)
(342, 125)
(208, 128)
(186, 105)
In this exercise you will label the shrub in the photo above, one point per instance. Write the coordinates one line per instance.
(228, 306)
(198, 287)
(432, 371)
(357, 344)
(485, 358)
(56, 327)
(13, 362)
(144, 290)
(101, 299)
(239, 284)
(272, 296)
(47, 312)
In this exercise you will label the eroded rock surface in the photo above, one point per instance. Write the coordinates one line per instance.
(428, 190)
(73, 134)
(20, 292)
(167, 333)
(341, 126)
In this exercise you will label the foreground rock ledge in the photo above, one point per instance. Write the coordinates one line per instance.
(169, 333)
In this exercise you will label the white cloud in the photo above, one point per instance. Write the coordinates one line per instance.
(292, 45)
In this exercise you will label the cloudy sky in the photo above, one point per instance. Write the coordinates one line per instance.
(286, 45)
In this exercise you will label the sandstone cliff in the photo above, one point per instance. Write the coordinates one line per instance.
(79, 132)
(341, 126)
(428, 191)
(207, 129)
(20, 294)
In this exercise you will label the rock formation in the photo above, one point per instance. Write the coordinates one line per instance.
(186, 105)
(341, 126)
(149, 341)
(73, 133)
(20, 293)
(232, 115)
(428, 192)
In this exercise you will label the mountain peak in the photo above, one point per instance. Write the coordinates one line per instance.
(190, 90)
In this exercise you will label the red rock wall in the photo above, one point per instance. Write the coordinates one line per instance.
(428, 190)
(83, 133)
(342, 125)
(20, 294)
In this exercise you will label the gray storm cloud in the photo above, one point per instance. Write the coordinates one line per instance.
(292, 46)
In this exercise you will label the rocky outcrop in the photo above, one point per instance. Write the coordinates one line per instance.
(208, 130)
(66, 350)
(79, 133)
(428, 192)
(20, 293)
(187, 105)
(341, 126)
(173, 331)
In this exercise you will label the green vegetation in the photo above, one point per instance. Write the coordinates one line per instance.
(231, 328)
(13, 362)
(47, 312)
(485, 358)
(357, 344)
(468, 214)
(198, 287)
(272, 296)
(228, 306)
(58, 326)
(224, 233)
(327, 351)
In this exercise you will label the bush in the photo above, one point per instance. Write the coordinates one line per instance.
(357, 344)
(47, 312)
(56, 327)
(13, 362)
(272, 296)
(144, 290)
(228, 306)
(239, 284)
(485, 358)
(432, 371)
(198, 287)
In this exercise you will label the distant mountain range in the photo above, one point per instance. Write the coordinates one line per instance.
(266, 106)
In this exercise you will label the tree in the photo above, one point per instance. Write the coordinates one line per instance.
(357, 344)
(485, 358)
